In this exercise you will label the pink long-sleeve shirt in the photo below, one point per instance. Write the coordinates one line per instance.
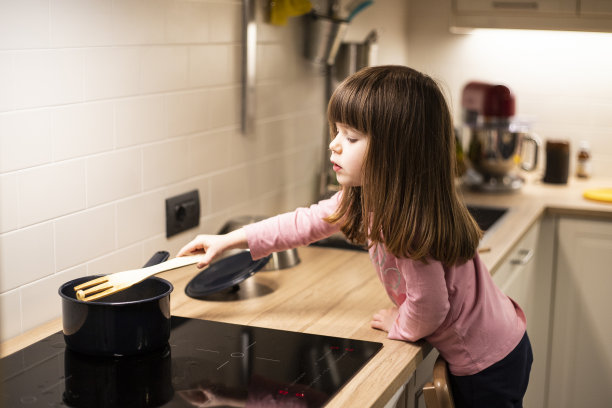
(457, 309)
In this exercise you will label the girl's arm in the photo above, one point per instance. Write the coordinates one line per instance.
(285, 231)
(214, 245)
(426, 303)
(290, 230)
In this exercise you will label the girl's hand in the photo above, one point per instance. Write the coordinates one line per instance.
(214, 245)
(384, 319)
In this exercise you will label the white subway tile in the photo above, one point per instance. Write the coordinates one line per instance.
(230, 189)
(139, 21)
(6, 81)
(209, 152)
(47, 77)
(225, 22)
(10, 314)
(163, 68)
(165, 163)
(9, 199)
(272, 62)
(121, 260)
(188, 112)
(113, 176)
(140, 218)
(214, 65)
(82, 129)
(275, 136)
(245, 148)
(51, 191)
(310, 128)
(268, 176)
(225, 111)
(172, 245)
(27, 255)
(25, 139)
(299, 164)
(187, 22)
(271, 137)
(77, 23)
(41, 300)
(110, 72)
(24, 24)
(84, 235)
(140, 120)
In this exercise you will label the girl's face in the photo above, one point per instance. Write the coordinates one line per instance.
(348, 151)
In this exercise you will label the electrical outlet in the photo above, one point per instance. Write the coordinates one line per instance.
(182, 212)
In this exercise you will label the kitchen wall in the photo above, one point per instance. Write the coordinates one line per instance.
(107, 108)
(561, 80)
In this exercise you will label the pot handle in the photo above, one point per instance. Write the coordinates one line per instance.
(157, 258)
(537, 144)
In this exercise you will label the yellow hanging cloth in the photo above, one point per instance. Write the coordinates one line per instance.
(281, 10)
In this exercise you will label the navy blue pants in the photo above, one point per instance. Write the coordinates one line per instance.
(501, 385)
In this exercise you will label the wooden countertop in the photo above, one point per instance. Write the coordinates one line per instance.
(335, 292)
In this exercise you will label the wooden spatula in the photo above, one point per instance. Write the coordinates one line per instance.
(107, 285)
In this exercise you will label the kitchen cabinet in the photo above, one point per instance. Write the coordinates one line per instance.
(526, 276)
(581, 356)
(532, 7)
(566, 15)
(414, 388)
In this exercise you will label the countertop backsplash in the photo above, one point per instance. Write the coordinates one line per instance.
(108, 108)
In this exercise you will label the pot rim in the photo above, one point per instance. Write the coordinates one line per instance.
(103, 303)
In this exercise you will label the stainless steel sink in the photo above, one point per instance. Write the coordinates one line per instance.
(486, 216)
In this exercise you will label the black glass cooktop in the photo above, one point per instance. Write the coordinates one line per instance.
(206, 364)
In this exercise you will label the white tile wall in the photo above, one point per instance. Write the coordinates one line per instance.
(108, 108)
(25, 131)
(49, 191)
(28, 253)
(84, 235)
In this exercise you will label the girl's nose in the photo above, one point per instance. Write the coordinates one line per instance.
(334, 145)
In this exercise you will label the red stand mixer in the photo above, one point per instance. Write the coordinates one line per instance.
(496, 145)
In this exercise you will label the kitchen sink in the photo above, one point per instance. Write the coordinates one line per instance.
(486, 216)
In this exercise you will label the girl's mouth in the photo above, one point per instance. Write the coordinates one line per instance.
(336, 167)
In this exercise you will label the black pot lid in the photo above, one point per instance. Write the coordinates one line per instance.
(224, 274)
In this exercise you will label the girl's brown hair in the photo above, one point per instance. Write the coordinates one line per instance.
(408, 200)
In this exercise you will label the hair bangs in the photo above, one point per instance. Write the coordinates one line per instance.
(347, 106)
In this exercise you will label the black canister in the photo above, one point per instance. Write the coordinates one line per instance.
(557, 161)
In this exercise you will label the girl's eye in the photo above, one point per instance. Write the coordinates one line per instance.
(351, 140)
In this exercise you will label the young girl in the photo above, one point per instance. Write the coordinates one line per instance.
(394, 156)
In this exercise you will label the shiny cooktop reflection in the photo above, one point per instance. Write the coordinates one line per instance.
(206, 364)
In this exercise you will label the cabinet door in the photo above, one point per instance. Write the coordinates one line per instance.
(581, 353)
(526, 277)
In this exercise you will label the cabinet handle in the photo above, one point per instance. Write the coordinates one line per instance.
(525, 257)
(515, 5)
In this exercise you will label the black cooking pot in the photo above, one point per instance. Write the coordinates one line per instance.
(133, 321)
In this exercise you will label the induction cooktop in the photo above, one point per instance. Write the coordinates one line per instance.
(205, 364)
